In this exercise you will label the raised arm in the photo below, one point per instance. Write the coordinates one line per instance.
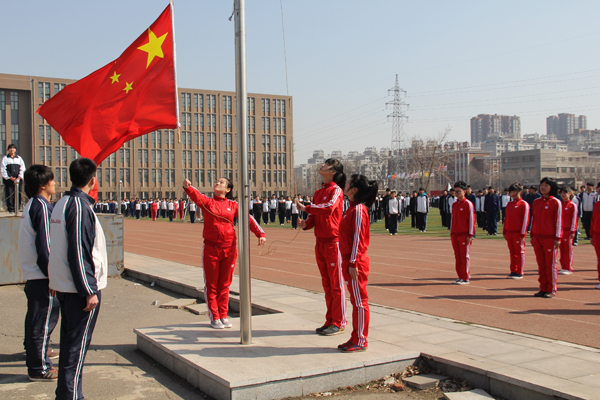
(328, 207)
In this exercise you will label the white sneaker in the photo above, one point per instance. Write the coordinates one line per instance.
(226, 323)
(565, 272)
(598, 287)
(217, 324)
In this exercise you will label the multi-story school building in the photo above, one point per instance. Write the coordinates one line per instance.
(154, 165)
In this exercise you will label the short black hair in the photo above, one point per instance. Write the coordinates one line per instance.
(490, 187)
(589, 184)
(421, 188)
(460, 185)
(552, 183)
(11, 146)
(82, 170)
(515, 186)
(35, 177)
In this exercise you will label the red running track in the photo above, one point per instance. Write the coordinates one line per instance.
(415, 273)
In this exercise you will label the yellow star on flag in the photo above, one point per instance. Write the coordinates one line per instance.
(153, 47)
(128, 87)
(115, 77)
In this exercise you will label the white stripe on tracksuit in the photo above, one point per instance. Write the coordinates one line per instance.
(46, 338)
(342, 287)
(361, 312)
(210, 314)
(77, 376)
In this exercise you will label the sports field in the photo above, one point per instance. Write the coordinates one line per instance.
(414, 271)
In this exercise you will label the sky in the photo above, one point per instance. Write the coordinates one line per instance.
(455, 59)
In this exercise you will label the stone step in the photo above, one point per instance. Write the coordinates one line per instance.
(198, 309)
(423, 381)
(475, 394)
(178, 303)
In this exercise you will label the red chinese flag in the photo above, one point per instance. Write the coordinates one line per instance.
(129, 97)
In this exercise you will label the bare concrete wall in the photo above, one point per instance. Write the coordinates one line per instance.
(10, 272)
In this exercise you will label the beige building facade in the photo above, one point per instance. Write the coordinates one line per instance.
(203, 150)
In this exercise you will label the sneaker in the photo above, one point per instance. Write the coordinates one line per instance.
(548, 295)
(460, 282)
(217, 324)
(347, 344)
(321, 329)
(574, 244)
(353, 348)
(598, 287)
(226, 323)
(50, 376)
(514, 275)
(332, 330)
(539, 294)
(565, 272)
(52, 354)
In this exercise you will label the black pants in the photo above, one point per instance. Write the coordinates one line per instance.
(137, 214)
(193, 217)
(76, 329)
(171, 214)
(282, 217)
(586, 221)
(443, 217)
(503, 214)
(492, 222)
(272, 214)
(9, 196)
(288, 215)
(40, 320)
(413, 220)
(421, 221)
(257, 216)
(387, 222)
(393, 223)
(295, 221)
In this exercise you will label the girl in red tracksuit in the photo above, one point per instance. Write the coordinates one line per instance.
(219, 252)
(595, 232)
(354, 242)
(325, 214)
(569, 228)
(154, 209)
(462, 229)
(181, 209)
(515, 230)
(546, 231)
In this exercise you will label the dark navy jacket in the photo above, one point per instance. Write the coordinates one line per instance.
(492, 202)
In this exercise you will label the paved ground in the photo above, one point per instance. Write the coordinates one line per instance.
(114, 368)
(414, 273)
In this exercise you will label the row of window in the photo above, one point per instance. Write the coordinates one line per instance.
(44, 89)
(14, 115)
(276, 105)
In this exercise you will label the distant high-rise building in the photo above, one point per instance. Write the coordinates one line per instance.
(564, 125)
(486, 126)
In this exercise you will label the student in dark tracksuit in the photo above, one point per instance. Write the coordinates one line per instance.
(77, 269)
(384, 204)
(492, 208)
(34, 251)
(412, 205)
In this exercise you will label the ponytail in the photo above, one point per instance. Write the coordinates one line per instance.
(367, 190)
(340, 177)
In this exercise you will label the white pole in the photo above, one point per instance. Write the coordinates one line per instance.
(243, 181)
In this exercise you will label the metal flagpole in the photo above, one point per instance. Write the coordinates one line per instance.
(243, 181)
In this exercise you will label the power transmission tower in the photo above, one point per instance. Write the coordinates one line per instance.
(399, 160)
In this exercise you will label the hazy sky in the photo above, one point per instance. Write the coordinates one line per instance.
(455, 59)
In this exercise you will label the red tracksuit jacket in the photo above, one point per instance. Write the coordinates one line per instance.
(569, 218)
(154, 206)
(517, 217)
(595, 226)
(463, 218)
(326, 213)
(354, 232)
(546, 218)
(220, 232)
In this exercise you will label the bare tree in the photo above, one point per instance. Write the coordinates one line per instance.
(426, 156)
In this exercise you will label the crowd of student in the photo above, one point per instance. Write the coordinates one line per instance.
(70, 270)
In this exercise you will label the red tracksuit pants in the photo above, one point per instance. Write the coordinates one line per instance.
(218, 264)
(566, 251)
(181, 213)
(462, 256)
(545, 255)
(153, 215)
(516, 249)
(597, 248)
(329, 262)
(359, 299)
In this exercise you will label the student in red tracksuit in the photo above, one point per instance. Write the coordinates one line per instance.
(569, 228)
(514, 230)
(546, 231)
(595, 231)
(154, 209)
(354, 242)
(325, 214)
(462, 229)
(181, 209)
(219, 252)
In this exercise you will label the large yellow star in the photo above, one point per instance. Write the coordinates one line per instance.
(115, 77)
(153, 47)
(128, 87)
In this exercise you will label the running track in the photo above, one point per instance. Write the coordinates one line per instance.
(414, 273)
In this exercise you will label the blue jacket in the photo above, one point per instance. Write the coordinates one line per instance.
(492, 202)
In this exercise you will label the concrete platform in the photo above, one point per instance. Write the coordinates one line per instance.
(288, 359)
